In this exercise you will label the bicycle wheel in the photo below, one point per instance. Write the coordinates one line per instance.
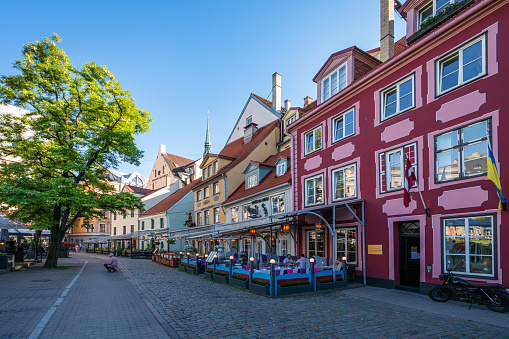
(440, 294)
(501, 303)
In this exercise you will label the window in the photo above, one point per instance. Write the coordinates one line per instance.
(161, 223)
(215, 188)
(102, 228)
(281, 169)
(284, 247)
(313, 140)
(158, 172)
(251, 180)
(124, 229)
(315, 243)
(124, 215)
(152, 223)
(163, 169)
(292, 119)
(462, 153)
(246, 212)
(132, 228)
(343, 125)
(114, 216)
(209, 170)
(314, 190)
(249, 120)
(432, 8)
(278, 204)
(114, 231)
(344, 182)
(216, 216)
(392, 167)
(398, 98)
(425, 13)
(142, 225)
(198, 219)
(198, 195)
(468, 245)
(206, 217)
(206, 192)
(235, 214)
(215, 167)
(334, 83)
(132, 213)
(462, 66)
(347, 244)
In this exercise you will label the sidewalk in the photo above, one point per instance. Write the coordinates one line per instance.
(97, 305)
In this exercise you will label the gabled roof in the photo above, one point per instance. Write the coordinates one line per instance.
(168, 202)
(137, 190)
(254, 163)
(175, 161)
(239, 151)
(211, 155)
(268, 182)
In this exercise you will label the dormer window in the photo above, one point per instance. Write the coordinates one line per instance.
(334, 83)
(434, 7)
(252, 180)
(249, 120)
(292, 119)
(425, 13)
(281, 169)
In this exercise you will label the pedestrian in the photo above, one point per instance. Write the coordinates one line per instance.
(81, 247)
(76, 248)
(112, 264)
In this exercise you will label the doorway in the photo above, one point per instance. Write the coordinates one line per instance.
(409, 255)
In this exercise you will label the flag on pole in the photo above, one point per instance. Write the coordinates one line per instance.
(409, 181)
(493, 176)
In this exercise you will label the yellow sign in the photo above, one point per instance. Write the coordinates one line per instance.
(375, 249)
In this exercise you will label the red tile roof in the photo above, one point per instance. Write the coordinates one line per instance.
(167, 203)
(173, 160)
(138, 190)
(239, 151)
(269, 181)
(267, 102)
(400, 45)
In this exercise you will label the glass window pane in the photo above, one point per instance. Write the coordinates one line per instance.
(441, 4)
(348, 117)
(472, 53)
(481, 264)
(447, 140)
(475, 158)
(350, 190)
(339, 184)
(406, 102)
(319, 190)
(318, 138)
(456, 263)
(310, 191)
(455, 227)
(480, 245)
(405, 88)
(450, 74)
(472, 70)
(342, 78)
(309, 142)
(425, 13)
(455, 245)
(349, 129)
(474, 132)
(338, 128)
(334, 84)
(395, 169)
(448, 165)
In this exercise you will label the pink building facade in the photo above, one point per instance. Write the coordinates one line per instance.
(438, 102)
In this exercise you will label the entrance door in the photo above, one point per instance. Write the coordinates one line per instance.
(409, 254)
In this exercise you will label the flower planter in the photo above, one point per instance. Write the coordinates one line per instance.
(293, 289)
(265, 290)
(222, 279)
(173, 263)
(330, 285)
(239, 283)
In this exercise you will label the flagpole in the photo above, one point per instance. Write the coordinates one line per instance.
(428, 213)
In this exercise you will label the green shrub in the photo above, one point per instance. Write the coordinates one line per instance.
(210, 270)
(221, 273)
(260, 282)
(295, 283)
(239, 277)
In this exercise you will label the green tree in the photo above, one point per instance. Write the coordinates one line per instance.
(80, 123)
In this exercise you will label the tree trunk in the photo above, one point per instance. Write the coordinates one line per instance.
(57, 235)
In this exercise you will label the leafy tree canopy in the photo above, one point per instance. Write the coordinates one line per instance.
(79, 123)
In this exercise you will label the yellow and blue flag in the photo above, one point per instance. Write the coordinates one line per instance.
(493, 176)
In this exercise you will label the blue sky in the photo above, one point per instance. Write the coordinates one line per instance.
(181, 59)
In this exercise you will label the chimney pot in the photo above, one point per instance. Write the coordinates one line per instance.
(162, 149)
(288, 104)
(307, 101)
(276, 91)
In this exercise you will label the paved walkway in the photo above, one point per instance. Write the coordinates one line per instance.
(154, 301)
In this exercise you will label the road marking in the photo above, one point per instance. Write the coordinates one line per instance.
(47, 317)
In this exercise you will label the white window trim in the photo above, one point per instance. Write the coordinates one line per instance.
(272, 203)
(281, 169)
(419, 12)
(236, 209)
(252, 180)
(215, 188)
(307, 193)
(306, 152)
(217, 217)
(388, 166)
(392, 87)
(467, 249)
(345, 65)
(342, 168)
(249, 120)
(342, 116)
(438, 65)
(346, 229)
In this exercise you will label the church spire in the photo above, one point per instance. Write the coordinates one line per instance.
(207, 140)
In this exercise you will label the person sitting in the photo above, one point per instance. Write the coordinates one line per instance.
(111, 265)
(288, 260)
(244, 258)
(302, 261)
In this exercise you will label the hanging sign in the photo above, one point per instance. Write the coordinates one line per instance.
(375, 249)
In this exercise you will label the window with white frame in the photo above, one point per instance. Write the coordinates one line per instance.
(252, 180)
(468, 245)
(313, 140)
(343, 125)
(281, 169)
(463, 152)
(462, 66)
(102, 228)
(292, 119)
(278, 204)
(392, 167)
(314, 190)
(432, 8)
(398, 98)
(334, 83)
(198, 219)
(206, 192)
(344, 182)
(216, 215)
(215, 167)
(235, 213)
(215, 188)
(198, 195)
(347, 244)
(246, 212)
(206, 217)
(315, 241)
(249, 120)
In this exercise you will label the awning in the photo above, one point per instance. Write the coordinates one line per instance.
(191, 231)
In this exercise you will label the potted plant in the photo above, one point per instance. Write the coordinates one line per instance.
(239, 281)
(293, 287)
(221, 277)
(259, 286)
(326, 283)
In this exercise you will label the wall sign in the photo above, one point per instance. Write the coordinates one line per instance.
(375, 249)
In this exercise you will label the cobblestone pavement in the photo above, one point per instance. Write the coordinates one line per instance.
(199, 308)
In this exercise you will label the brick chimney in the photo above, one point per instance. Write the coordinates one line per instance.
(276, 91)
(307, 101)
(386, 29)
(288, 104)
(249, 130)
(162, 149)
